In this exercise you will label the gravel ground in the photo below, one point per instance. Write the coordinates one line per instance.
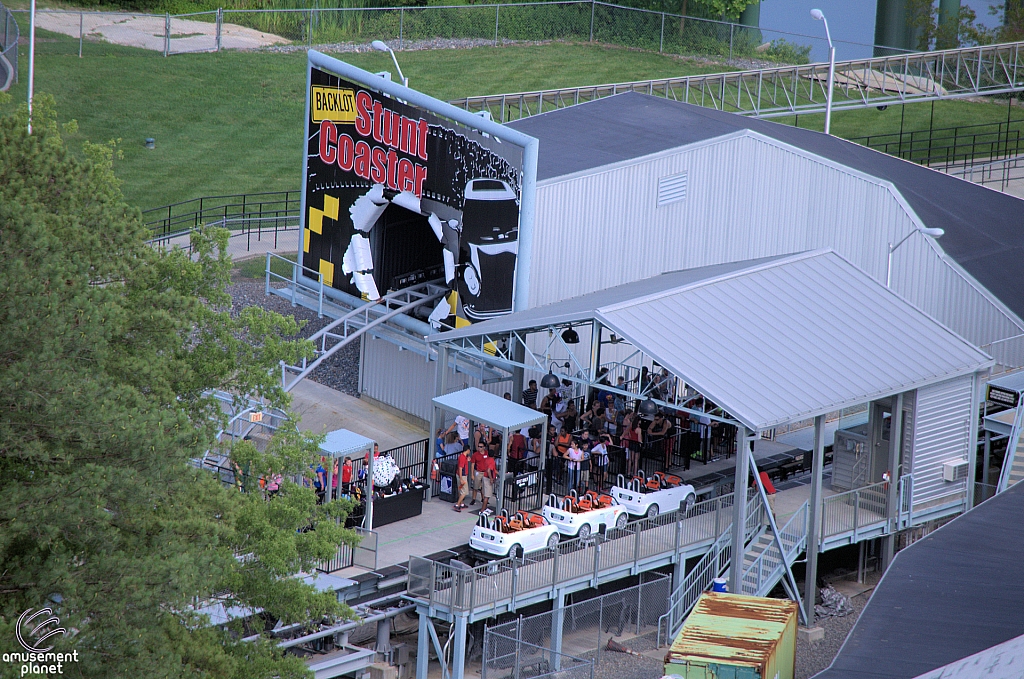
(340, 372)
(624, 666)
(812, 658)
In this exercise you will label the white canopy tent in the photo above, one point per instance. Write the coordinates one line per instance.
(483, 407)
(344, 443)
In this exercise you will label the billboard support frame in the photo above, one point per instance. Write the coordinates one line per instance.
(520, 299)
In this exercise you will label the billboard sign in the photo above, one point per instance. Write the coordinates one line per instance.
(396, 195)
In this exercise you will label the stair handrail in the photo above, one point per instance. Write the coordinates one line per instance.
(697, 581)
(1012, 443)
(793, 535)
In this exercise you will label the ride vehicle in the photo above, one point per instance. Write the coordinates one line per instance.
(650, 495)
(579, 516)
(503, 535)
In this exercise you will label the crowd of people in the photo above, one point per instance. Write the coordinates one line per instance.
(590, 438)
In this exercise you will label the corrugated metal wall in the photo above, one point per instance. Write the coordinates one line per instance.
(747, 197)
(941, 434)
(405, 379)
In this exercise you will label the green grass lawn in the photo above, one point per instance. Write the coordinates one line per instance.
(232, 122)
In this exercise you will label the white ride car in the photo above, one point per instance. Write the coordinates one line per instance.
(579, 517)
(502, 535)
(649, 496)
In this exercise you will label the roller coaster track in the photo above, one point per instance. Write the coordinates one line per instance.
(790, 90)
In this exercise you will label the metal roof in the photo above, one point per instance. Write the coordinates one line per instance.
(1011, 382)
(481, 406)
(771, 341)
(342, 442)
(953, 594)
(983, 227)
(1003, 660)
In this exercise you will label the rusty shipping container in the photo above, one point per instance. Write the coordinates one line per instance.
(732, 636)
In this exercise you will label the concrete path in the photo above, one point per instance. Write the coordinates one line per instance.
(323, 409)
(148, 31)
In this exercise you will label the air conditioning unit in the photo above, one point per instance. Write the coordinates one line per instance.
(954, 470)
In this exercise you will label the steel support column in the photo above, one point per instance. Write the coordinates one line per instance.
(557, 618)
(440, 386)
(892, 492)
(972, 442)
(986, 463)
(814, 518)
(459, 645)
(423, 646)
(739, 515)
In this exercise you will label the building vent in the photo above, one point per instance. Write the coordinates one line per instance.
(671, 189)
(955, 470)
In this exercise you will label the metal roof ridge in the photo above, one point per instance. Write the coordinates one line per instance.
(785, 259)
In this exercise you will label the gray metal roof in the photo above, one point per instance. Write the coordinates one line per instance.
(342, 442)
(983, 227)
(1003, 660)
(481, 406)
(773, 340)
(953, 594)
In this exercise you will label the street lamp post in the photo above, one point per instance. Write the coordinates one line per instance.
(820, 16)
(934, 233)
(381, 46)
(31, 60)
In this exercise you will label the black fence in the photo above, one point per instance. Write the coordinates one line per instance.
(269, 211)
(951, 146)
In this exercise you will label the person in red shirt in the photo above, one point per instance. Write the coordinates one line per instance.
(346, 476)
(769, 489)
(462, 478)
(488, 472)
(478, 477)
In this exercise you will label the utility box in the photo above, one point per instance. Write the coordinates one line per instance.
(733, 636)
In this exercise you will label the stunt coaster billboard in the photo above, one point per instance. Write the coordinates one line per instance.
(396, 195)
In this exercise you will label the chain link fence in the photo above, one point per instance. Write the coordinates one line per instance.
(404, 28)
(579, 633)
(8, 49)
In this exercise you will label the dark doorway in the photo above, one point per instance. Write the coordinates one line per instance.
(405, 250)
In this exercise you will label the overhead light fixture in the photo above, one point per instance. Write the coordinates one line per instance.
(550, 381)
(648, 408)
(570, 336)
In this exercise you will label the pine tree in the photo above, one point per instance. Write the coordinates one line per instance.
(108, 349)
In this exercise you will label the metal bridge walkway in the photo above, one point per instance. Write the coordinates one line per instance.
(1013, 466)
(444, 590)
(789, 90)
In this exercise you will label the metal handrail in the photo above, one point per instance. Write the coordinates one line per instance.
(854, 509)
(771, 563)
(789, 90)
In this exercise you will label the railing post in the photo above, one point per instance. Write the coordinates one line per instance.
(81, 33)
(220, 25)
(266, 289)
(309, 30)
(856, 511)
(401, 27)
(496, 8)
(167, 33)
(554, 567)
(597, 557)
(515, 583)
(661, 43)
(732, 29)
(295, 281)
(320, 301)
(592, 3)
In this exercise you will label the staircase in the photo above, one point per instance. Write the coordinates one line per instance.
(763, 567)
(1013, 465)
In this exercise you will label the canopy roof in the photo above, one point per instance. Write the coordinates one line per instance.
(481, 406)
(342, 442)
(773, 340)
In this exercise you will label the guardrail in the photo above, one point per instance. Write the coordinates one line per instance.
(852, 512)
(264, 208)
(767, 568)
(952, 149)
(503, 582)
(793, 90)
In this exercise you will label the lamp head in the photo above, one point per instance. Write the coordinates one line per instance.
(933, 232)
(379, 46)
(549, 381)
(648, 408)
(570, 336)
(817, 15)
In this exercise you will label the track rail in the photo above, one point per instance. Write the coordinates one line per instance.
(790, 90)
